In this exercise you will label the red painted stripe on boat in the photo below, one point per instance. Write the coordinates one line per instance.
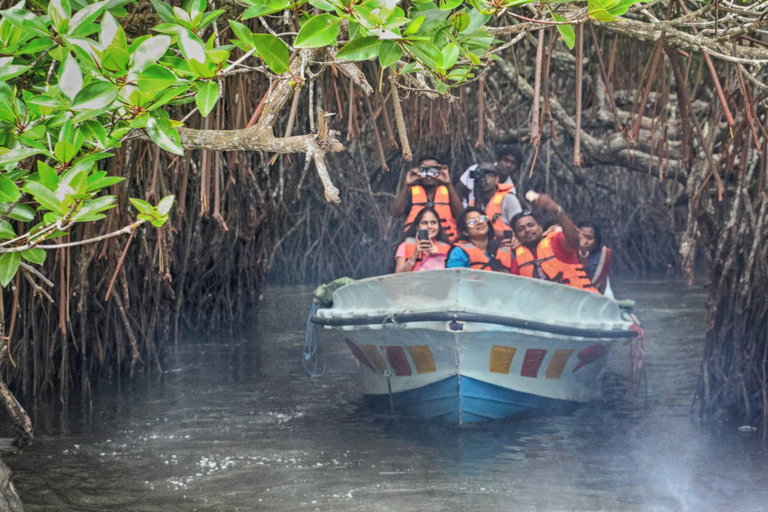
(532, 362)
(359, 354)
(398, 361)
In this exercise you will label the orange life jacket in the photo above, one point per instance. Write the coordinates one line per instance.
(493, 208)
(441, 203)
(500, 262)
(411, 245)
(572, 274)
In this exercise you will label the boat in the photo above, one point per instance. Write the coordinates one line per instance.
(462, 346)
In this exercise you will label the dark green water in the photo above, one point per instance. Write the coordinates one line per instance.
(239, 426)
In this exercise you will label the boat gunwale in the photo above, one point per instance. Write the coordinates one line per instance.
(463, 316)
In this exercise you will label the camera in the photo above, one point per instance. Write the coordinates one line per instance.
(482, 170)
(429, 172)
(423, 234)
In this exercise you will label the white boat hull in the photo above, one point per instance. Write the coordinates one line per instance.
(464, 370)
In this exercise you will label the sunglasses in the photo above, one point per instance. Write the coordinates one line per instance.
(477, 220)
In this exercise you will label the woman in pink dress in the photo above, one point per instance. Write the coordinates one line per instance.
(423, 253)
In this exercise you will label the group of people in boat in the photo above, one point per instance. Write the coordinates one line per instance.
(480, 223)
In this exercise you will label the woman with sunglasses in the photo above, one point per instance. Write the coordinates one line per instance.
(423, 252)
(476, 247)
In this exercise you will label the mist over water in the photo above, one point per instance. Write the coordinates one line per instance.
(238, 426)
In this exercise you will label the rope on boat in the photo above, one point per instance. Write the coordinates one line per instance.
(312, 356)
(636, 361)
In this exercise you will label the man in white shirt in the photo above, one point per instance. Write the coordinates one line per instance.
(508, 161)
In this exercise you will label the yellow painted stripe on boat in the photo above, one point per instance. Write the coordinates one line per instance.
(375, 357)
(557, 364)
(501, 359)
(422, 358)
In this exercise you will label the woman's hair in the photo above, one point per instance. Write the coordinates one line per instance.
(461, 224)
(598, 235)
(414, 229)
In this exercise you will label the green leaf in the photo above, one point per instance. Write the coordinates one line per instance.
(191, 46)
(112, 34)
(9, 264)
(149, 52)
(389, 53)
(165, 205)
(9, 192)
(96, 183)
(87, 14)
(266, 7)
(323, 5)
(115, 59)
(566, 31)
(20, 212)
(461, 21)
(13, 156)
(274, 52)
(600, 9)
(620, 8)
(361, 48)
(34, 256)
(156, 78)
(98, 205)
(447, 5)
(42, 195)
(209, 18)
(64, 151)
(321, 30)
(94, 131)
(48, 176)
(430, 53)
(206, 97)
(242, 32)
(164, 10)
(6, 230)
(70, 78)
(143, 206)
(450, 55)
(95, 96)
(164, 134)
(10, 71)
(414, 26)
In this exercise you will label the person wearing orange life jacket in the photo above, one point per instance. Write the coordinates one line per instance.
(552, 257)
(508, 161)
(497, 199)
(417, 253)
(477, 248)
(428, 185)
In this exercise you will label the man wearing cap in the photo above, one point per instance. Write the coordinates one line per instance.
(498, 200)
(508, 160)
(429, 184)
(552, 257)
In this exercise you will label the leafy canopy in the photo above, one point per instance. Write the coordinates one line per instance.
(73, 85)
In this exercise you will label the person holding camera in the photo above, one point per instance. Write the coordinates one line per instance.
(425, 247)
(498, 200)
(508, 161)
(477, 247)
(428, 185)
(550, 256)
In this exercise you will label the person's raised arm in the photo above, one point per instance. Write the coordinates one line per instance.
(461, 185)
(401, 199)
(570, 231)
(445, 179)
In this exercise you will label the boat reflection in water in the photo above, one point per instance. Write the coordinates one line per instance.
(460, 345)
